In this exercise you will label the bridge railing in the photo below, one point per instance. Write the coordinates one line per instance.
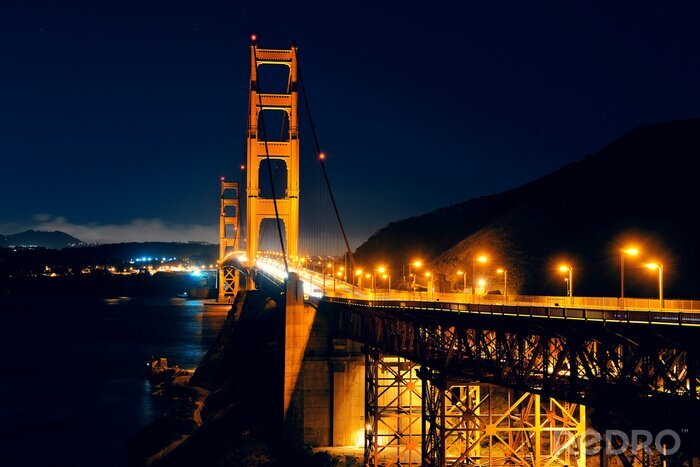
(532, 310)
(346, 290)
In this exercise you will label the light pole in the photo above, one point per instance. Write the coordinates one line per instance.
(324, 277)
(659, 267)
(570, 270)
(374, 292)
(630, 251)
(481, 259)
(504, 271)
(383, 271)
(416, 264)
(464, 281)
(358, 273)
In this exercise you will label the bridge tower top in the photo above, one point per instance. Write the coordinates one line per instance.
(260, 148)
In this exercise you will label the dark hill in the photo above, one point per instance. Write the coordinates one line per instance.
(642, 186)
(38, 238)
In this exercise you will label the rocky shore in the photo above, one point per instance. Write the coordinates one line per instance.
(228, 413)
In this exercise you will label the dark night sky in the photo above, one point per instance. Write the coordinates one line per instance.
(117, 118)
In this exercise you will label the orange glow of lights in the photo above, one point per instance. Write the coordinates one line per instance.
(564, 268)
(322, 156)
(632, 251)
(500, 270)
(482, 258)
(653, 266)
(460, 273)
(253, 37)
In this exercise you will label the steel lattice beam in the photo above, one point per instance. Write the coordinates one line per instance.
(641, 370)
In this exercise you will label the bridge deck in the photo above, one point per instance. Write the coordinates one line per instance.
(600, 309)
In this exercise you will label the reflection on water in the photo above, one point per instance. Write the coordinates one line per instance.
(72, 369)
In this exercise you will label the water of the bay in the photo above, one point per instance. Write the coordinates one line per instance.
(72, 385)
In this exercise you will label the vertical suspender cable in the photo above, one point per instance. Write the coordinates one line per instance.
(321, 159)
(269, 164)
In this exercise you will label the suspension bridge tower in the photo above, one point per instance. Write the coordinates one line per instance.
(260, 148)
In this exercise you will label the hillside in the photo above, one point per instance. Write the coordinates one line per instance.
(642, 187)
(55, 240)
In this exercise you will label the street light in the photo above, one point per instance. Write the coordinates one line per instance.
(387, 277)
(481, 259)
(482, 285)
(629, 251)
(358, 273)
(416, 264)
(464, 281)
(570, 270)
(383, 271)
(504, 271)
(659, 267)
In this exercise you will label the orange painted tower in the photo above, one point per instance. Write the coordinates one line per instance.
(259, 148)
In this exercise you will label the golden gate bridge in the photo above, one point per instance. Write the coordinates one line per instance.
(432, 377)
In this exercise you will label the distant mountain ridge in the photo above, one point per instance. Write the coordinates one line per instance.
(55, 240)
(642, 186)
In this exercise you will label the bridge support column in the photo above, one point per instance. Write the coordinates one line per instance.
(392, 411)
(472, 424)
(298, 321)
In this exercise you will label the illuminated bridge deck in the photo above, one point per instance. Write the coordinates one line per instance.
(597, 309)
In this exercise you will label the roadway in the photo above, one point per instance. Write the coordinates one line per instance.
(318, 286)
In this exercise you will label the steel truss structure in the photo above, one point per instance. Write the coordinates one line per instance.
(393, 409)
(466, 423)
(626, 370)
(417, 417)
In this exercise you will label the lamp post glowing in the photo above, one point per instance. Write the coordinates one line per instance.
(504, 271)
(481, 259)
(630, 251)
(385, 275)
(416, 264)
(570, 270)
(659, 267)
(464, 281)
(358, 273)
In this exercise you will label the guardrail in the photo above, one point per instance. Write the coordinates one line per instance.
(347, 290)
(678, 318)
